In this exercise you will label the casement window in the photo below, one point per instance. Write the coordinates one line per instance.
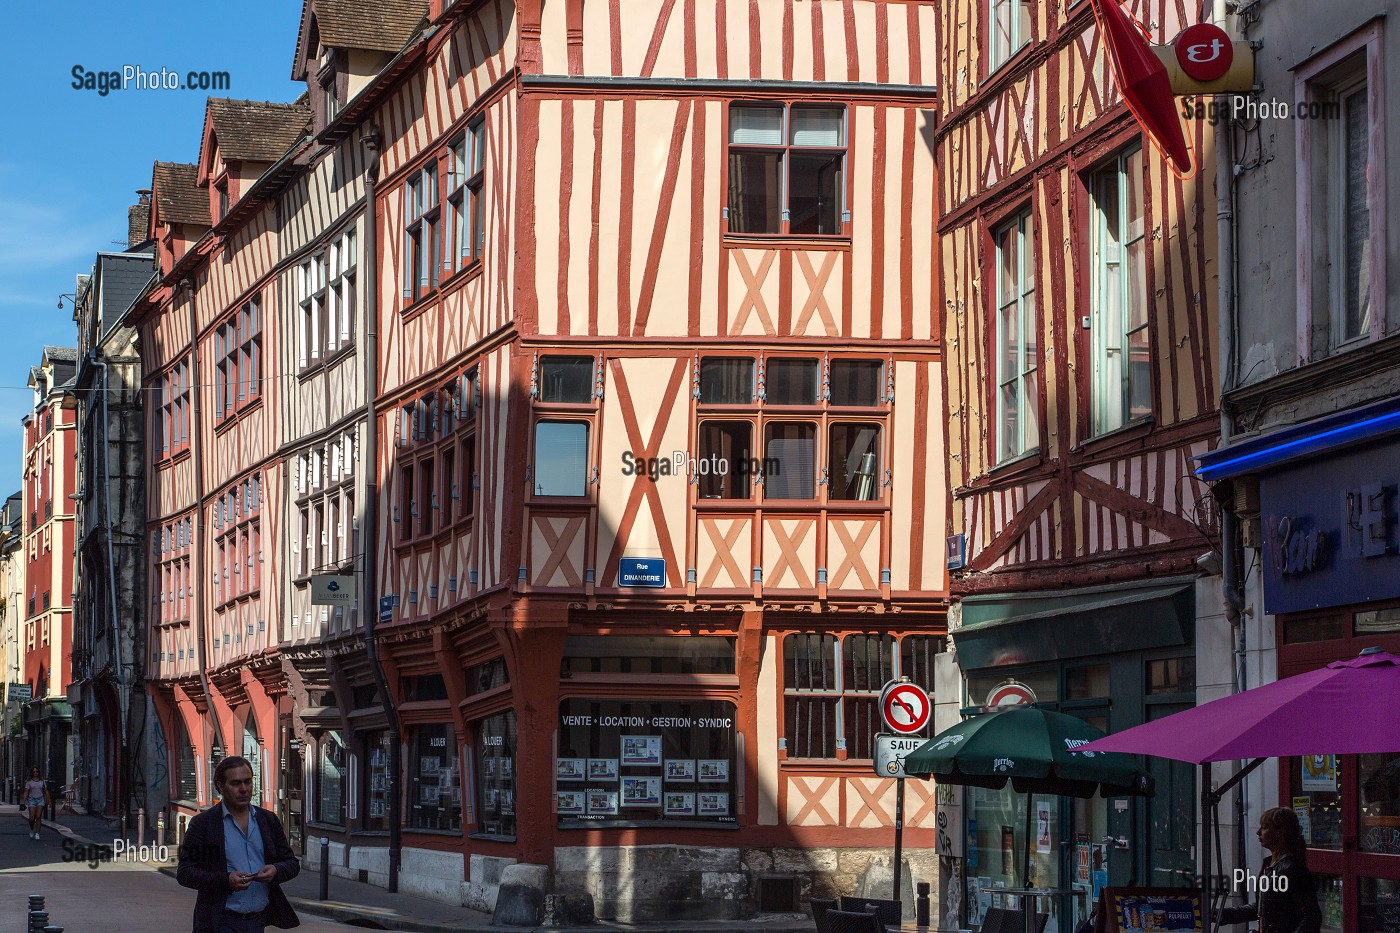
(436, 470)
(173, 415)
(1016, 337)
(172, 591)
(1341, 198)
(831, 688)
(561, 458)
(567, 379)
(1122, 350)
(465, 180)
(1010, 22)
(787, 169)
(237, 541)
(327, 299)
(561, 464)
(796, 428)
(238, 360)
(325, 537)
(421, 214)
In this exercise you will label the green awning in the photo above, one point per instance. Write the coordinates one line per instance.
(1004, 629)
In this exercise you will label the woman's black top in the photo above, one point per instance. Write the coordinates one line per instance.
(1292, 911)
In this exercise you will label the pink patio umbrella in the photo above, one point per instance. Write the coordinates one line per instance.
(1345, 708)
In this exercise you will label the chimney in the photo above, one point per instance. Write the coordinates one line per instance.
(138, 218)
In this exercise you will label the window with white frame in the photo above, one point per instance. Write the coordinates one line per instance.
(1122, 347)
(421, 214)
(326, 534)
(1016, 341)
(832, 684)
(327, 299)
(465, 182)
(1011, 29)
(787, 167)
(1349, 209)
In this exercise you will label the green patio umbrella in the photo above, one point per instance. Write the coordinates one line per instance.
(1032, 748)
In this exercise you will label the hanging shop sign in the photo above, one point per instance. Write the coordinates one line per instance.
(332, 589)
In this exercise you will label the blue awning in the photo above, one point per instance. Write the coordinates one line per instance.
(1347, 428)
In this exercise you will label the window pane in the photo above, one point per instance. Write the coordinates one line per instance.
(791, 382)
(862, 722)
(1378, 620)
(867, 662)
(814, 200)
(1087, 683)
(809, 662)
(1357, 218)
(756, 126)
(495, 775)
(730, 444)
(857, 382)
(619, 654)
(330, 780)
(755, 192)
(811, 126)
(561, 458)
(790, 460)
(726, 381)
(809, 725)
(1001, 31)
(435, 791)
(853, 462)
(566, 379)
(1379, 911)
(1318, 779)
(1380, 803)
(916, 654)
(379, 757)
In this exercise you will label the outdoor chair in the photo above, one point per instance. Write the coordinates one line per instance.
(819, 906)
(889, 912)
(854, 921)
(991, 920)
(1012, 921)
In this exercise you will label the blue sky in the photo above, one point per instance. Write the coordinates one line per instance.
(73, 159)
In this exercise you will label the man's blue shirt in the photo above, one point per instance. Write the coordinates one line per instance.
(244, 852)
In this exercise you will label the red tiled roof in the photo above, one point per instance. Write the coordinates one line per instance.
(176, 196)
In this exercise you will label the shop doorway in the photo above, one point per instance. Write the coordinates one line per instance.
(1171, 815)
(290, 794)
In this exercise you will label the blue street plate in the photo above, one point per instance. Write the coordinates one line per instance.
(642, 571)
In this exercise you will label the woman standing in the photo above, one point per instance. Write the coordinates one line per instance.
(1287, 899)
(36, 797)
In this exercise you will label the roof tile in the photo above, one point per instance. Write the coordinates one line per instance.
(177, 197)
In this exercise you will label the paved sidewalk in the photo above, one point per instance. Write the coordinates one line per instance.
(374, 908)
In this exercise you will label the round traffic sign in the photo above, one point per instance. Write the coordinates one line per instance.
(1204, 51)
(905, 707)
(1010, 693)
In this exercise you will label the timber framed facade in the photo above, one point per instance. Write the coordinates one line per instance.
(1079, 283)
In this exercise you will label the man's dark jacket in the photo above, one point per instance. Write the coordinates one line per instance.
(204, 867)
(1292, 911)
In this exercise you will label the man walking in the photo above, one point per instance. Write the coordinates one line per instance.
(236, 856)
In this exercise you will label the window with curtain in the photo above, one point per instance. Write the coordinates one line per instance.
(786, 168)
(1017, 346)
(790, 460)
(1122, 358)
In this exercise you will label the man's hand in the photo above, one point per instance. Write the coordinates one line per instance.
(267, 874)
(239, 880)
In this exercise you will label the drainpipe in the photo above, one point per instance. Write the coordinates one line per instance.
(197, 534)
(123, 700)
(369, 602)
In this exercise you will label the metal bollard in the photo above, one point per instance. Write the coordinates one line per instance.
(53, 929)
(160, 829)
(921, 905)
(36, 905)
(141, 826)
(325, 868)
(38, 919)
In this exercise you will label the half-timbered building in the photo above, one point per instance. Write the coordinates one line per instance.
(657, 447)
(1078, 285)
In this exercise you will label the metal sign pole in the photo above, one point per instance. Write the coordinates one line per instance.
(898, 835)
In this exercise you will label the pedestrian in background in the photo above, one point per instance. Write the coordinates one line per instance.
(236, 856)
(1288, 901)
(36, 798)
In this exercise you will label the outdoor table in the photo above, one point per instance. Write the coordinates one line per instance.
(913, 928)
(1028, 897)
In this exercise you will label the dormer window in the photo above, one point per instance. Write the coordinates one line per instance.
(221, 190)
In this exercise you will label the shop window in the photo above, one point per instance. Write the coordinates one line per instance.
(1172, 675)
(726, 381)
(1379, 826)
(495, 775)
(435, 789)
(786, 169)
(379, 758)
(1317, 779)
(619, 654)
(331, 766)
(1329, 899)
(1314, 628)
(1379, 908)
(791, 447)
(1378, 622)
(791, 382)
(561, 458)
(1091, 682)
(629, 762)
(996, 844)
(853, 461)
(857, 383)
(567, 379)
(252, 750)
